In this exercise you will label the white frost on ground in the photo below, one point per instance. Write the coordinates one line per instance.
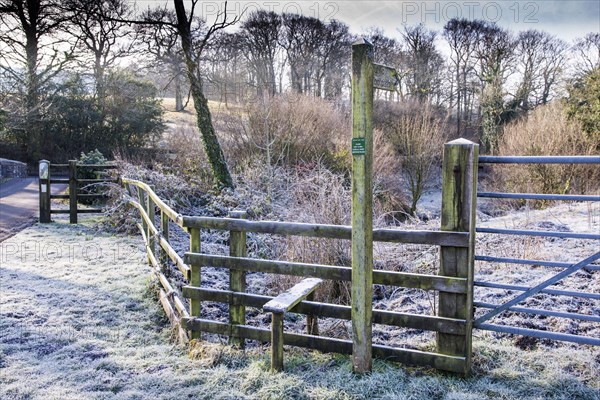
(77, 321)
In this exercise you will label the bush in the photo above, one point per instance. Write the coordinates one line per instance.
(129, 117)
(583, 103)
(417, 133)
(323, 197)
(288, 130)
(183, 155)
(91, 158)
(548, 131)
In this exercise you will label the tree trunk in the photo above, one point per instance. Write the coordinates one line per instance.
(212, 147)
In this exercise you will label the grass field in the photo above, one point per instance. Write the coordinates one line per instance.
(79, 320)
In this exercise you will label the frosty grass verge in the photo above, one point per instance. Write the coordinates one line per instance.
(79, 320)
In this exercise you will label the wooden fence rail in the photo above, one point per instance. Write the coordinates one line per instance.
(75, 184)
(454, 283)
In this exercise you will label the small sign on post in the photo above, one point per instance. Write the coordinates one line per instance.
(385, 78)
(358, 145)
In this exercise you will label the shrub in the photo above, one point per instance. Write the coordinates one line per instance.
(288, 130)
(583, 103)
(548, 131)
(70, 120)
(323, 197)
(183, 155)
(417, 133)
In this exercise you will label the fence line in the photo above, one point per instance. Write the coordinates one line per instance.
(75, 184)
(453, 325)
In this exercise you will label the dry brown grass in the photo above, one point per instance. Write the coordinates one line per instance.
(548, 131)
(287, 130)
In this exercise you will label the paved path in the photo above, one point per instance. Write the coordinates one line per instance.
(19, 202)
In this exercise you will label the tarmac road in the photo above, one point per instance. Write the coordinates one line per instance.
(19, 202)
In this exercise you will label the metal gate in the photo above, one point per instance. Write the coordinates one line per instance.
(493, 310)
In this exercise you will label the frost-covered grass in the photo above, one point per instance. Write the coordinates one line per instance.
(79, 320)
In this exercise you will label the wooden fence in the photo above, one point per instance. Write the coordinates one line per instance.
(454, 282)
(69, 174)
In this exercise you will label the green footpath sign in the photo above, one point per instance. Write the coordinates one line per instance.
(358, 145)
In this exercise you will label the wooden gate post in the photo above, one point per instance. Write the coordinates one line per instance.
(44, 183)
(73, 191)
(459, 200)
(195, 278)
(237, 278)
(362, 205)
(164, 229)
(151, 210)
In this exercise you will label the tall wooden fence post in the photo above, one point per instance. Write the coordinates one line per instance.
(195, 278)
(362, 205)
(237, 278)
(73, 191)
(164, 228)
(44, 182)
(151, 209)
(459, 191)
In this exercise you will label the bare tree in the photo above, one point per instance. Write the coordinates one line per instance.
(334, 53)
(587, 50)
(494, 52)
(301, 39)
(422, 61)
(461, 36)
(540, 64)
(162, 43)
(32, 54)
(105, 39)
(195, 36)
(259, 39)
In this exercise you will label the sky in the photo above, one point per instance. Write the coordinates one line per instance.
(567, 19)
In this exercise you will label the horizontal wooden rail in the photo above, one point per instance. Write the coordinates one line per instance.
(185, 269)
(90, 181)
(79, 211)
(404, 279)
(80, 196)
(454, 239)
(325, 310)
(408, 356)
(175, 217)
(167, 295)
(162, 278)
(97, 166)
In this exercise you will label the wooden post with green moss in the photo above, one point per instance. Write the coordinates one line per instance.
(164, 228)
(195, 278)
(237, 278)
(459, 190)
(362, 205)
(73, 191)
(151, 208)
